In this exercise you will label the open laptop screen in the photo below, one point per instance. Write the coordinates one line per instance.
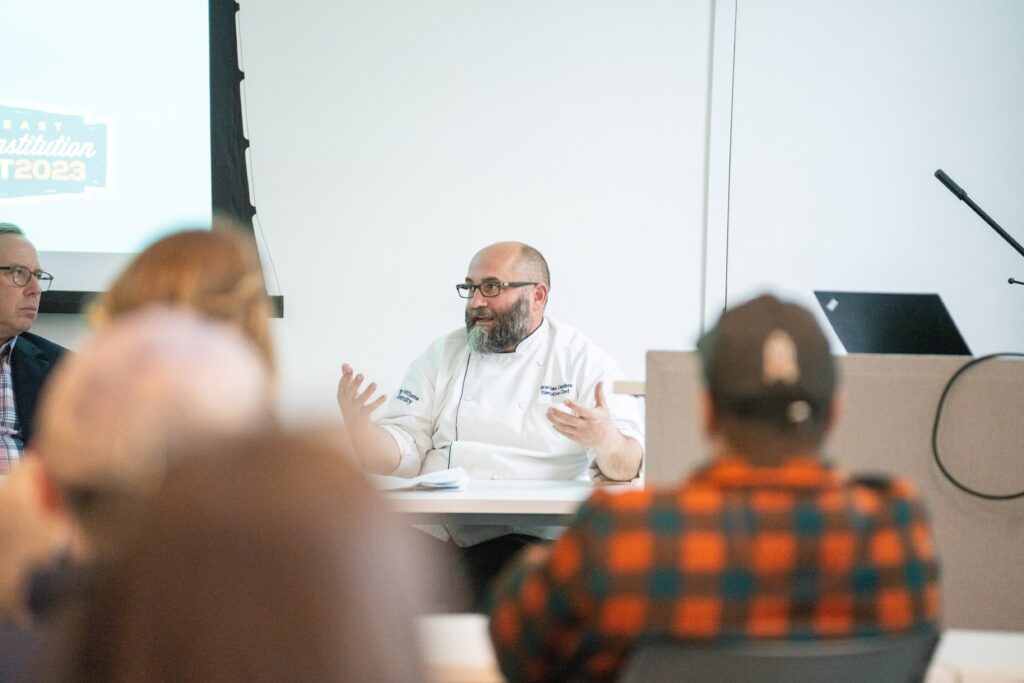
(874, 322)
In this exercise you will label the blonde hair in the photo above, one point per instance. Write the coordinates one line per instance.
(213, 272)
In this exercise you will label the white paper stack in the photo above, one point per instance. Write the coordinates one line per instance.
(454, 479)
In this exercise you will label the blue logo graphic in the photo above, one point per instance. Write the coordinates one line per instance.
(49, 153)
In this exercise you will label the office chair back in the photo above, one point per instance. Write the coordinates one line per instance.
(896, 659)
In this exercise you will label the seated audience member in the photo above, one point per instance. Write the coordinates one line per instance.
(767, 541)
(151, 381)
(264, 559)
(213, 272)
(514, 394)
(25, 358)
(155, 380)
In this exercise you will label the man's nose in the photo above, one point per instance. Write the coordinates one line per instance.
(33, 286)
(478, 299)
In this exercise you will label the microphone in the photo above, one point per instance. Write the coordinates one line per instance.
(1015, 282)
(951, 185)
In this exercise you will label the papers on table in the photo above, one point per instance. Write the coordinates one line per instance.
(454, 479)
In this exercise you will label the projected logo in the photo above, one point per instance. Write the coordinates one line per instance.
(49, 153)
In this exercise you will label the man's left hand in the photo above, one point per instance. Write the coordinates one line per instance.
(589, 427)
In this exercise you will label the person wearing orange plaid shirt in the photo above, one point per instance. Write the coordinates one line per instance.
(767, 541)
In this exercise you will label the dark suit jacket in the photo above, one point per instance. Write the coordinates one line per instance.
(31, 362)
(21, 651)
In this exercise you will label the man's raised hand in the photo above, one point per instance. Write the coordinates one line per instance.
(353, 400)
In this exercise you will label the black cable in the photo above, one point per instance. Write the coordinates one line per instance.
(935, 431)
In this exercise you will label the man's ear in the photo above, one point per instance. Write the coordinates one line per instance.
(540, 294)
(49, 493)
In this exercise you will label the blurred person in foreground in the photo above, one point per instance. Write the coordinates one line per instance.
(215, 273)
(151, 382)
(766, 541)
(265, 559)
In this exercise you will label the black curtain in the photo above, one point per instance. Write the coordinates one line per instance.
(227, 142)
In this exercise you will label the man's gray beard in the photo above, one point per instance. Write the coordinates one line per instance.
(508, 328)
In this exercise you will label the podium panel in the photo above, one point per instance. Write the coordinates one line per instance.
(886, 427)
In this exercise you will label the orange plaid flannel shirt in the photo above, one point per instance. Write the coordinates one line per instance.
(797, 551)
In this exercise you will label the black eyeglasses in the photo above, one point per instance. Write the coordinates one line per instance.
(20, 276)
(488, 289)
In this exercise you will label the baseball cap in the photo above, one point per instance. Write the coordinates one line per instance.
(768, 360)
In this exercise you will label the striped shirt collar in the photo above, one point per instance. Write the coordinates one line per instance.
(11, 443)
(7, 348)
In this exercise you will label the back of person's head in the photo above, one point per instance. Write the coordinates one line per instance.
(142, 386)
(215, 272)
(771, 378)
(263, 559)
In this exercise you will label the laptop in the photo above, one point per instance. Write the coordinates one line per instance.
(875, 322)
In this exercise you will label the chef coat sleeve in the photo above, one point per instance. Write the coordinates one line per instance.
(408, 416)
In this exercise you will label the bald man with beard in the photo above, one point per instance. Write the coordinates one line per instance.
(514, 394)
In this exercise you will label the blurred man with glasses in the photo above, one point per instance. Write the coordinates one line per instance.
(513, 395)
(25, 358)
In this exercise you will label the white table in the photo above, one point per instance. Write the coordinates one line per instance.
(510, 502)
(977, 657)
(457, 649)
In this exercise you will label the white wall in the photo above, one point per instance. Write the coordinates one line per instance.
(842, 113)
(67, 330)
(391, 140)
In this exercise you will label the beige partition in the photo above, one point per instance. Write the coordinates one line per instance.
(890, 405)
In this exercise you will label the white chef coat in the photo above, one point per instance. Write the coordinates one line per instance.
(486, 412)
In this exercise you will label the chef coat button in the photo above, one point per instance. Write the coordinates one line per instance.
(522, 406)
(540, 363)
(495, 476)
(468, 398)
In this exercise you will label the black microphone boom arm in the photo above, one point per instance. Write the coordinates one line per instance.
(959, 193)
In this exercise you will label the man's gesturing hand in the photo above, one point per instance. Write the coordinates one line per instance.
(376, 449)
(589, 427)
(355, 404)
